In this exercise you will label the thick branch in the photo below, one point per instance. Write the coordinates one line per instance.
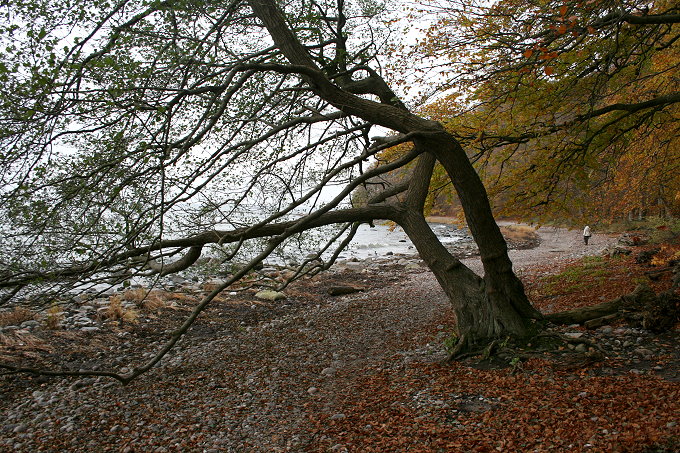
(185, 262)
(651, 19)
(419, 182)
(386, 115)
(389, 192)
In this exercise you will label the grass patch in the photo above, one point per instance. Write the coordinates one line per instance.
(54, 317)
(117, 312)
(16, 316)
(145, 299)
(519, 233)
(590, 272)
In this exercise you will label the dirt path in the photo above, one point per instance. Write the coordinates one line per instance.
(557, 244)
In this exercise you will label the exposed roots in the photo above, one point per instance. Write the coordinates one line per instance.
(514, 350)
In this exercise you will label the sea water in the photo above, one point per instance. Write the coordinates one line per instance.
(382, 239)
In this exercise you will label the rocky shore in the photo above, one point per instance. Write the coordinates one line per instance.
(304, 370)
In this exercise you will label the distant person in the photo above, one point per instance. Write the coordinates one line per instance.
(586, 234)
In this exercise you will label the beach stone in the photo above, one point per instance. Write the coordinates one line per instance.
(354, 265)
(270, 295)
(338, 416)
(580, 348)
(179, 280)
(643, 352)
(330, 371)
(573, 334)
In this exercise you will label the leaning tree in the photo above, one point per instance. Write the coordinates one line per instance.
(137, 136)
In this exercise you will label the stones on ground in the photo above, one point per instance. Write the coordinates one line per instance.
(270, 295)
(354, 265)
(329, 371)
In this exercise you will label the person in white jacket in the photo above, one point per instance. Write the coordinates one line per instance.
(586, 234)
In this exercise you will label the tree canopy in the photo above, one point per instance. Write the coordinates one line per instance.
(569, 107)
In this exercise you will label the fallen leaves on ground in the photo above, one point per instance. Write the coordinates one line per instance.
(357, 373)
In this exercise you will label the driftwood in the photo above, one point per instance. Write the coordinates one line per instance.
(342, 290)
(642, 308)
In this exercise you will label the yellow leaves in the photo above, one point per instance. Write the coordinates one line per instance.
(666, 255)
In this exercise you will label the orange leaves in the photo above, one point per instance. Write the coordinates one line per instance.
(545, 56)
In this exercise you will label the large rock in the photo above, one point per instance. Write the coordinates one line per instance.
(270, 295)
(646, 256)
(616, 251)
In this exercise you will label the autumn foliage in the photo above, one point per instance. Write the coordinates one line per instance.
(569, 108)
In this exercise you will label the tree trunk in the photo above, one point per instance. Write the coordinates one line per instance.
(480, 317)
(493, 307)
(502, 285)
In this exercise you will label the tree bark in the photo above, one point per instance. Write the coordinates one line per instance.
(502, 285)
(481, 316)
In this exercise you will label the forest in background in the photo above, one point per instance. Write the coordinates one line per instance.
(567, 119)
